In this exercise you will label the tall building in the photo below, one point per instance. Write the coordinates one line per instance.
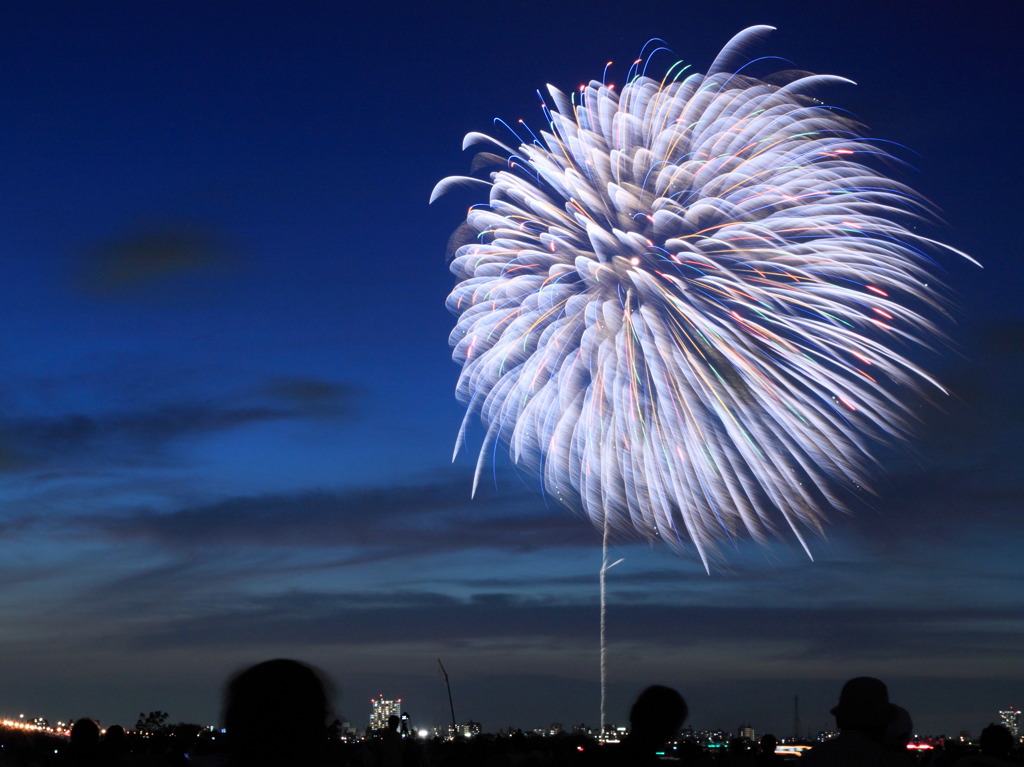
(466, 729)
(1010, 719)
(381, 709)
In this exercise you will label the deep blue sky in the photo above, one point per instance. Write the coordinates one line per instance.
(226, 409)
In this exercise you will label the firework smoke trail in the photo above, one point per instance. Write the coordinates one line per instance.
(605, 567)
(686, 305)
(602, 645)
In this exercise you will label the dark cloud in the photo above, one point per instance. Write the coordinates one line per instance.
(150, 256)
(146, 428)
(126, 438)
(794, 636)
(134, 437)
(379, 522)
(312, 392)
(299, 620)
(662, 577)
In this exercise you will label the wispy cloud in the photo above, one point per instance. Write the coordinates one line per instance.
(150, 256)
(139, 436)
(381, 522)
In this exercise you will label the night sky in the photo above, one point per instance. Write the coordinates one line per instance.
(227, 410)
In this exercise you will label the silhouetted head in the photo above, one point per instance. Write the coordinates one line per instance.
(996, 740)
(115, 738)
(864, 705)
(657, 715)
(275, 713)
(393, 722)
(85, 735)
(899, 731)
(769, 743)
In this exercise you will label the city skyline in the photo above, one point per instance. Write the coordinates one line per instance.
(227, 411)
(381, 708)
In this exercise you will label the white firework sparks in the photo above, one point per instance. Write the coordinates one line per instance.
(683, 304)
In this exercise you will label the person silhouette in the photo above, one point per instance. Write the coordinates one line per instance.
(391, 743)
(766, 756)
(275, 714)
(655, 718)
(898, 733)
(113, 748)
(84, 744)
(862, 716)
(995, 749)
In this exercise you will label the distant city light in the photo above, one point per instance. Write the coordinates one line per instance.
(791, 750)
(712, 740)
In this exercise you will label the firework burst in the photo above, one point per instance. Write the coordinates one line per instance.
(687, 304)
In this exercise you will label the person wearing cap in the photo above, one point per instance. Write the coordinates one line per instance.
(862, 716)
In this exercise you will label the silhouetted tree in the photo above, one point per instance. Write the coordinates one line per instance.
(154, 722)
